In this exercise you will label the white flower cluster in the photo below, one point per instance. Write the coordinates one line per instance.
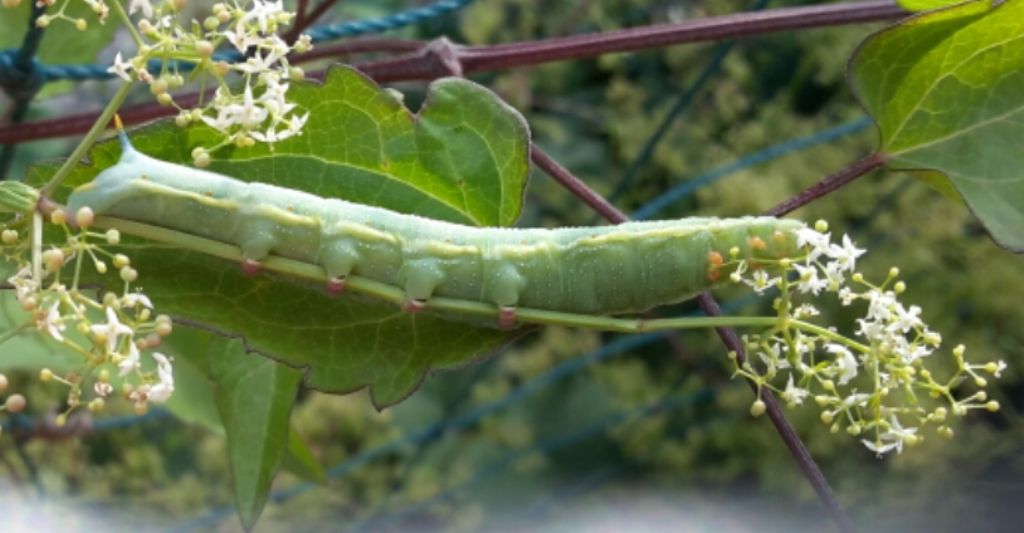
(867, 383)
(256, 108)
(110, 334)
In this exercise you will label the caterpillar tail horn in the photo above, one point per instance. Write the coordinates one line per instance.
(122, 137)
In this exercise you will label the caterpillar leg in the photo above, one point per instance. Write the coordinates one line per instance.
(338, 257)
(251, 267)
(256, 246)
(420, 277)
(507, 317)
(414, 306)
(336, 286)
(502, 286)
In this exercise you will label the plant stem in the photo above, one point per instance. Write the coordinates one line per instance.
(123, 15)
(305, 20)
(37, 248)
(829, 184)
(501, 57)
(11, 333)
(90, 137)
(505, 56)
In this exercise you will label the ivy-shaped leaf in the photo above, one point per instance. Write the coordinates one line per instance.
(246, 399)
(464, 157)
(254, 397)
(947, 91)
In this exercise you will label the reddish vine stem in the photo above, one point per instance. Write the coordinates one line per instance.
(304, 20)
(359, 46)
(422, 66)
(829, 184)
(728, 336)
(504, 56)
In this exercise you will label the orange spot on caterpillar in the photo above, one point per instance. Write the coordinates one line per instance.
(209, 193)
(778, 236)
(715, 259)
(756, 243)
(290, 209)
(714, 275)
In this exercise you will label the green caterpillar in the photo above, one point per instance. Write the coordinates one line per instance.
(600, 270)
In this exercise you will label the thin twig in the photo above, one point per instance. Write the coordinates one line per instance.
(785, 430)
(830, 183)
(748, 24)
(304, 20)
(360, 46)
(501, 57)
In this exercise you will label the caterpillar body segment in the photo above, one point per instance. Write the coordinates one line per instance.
(626, 268)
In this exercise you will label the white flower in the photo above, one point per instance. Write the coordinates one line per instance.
(880, 305)
(906, 319)
(879, 449)
(113, 329)
(794, 395)
(893, 439)
(51, 323)
(834, 275)
(847, 296)
(121, 68)
(141, 5)
(817, 242)
(913, 352)
(131, 362)
(809, 280)
(162, 391)
(262, 11)
(103, 389)
(805, 311)
(1000, 366)
(845, 363)
(856, 399)
(845, 255)
(761, 281)
(23, 283)
(136, 299)
(247, 114)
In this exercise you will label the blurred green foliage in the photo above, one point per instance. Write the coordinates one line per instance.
(703, 462)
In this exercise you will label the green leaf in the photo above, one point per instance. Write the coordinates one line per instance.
(463, 158)
(29, 350)
(194, 400)
(925, 5)
(945, 90)
(254, 396)
(299, 460)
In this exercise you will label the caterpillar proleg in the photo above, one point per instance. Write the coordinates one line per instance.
(593, 270)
